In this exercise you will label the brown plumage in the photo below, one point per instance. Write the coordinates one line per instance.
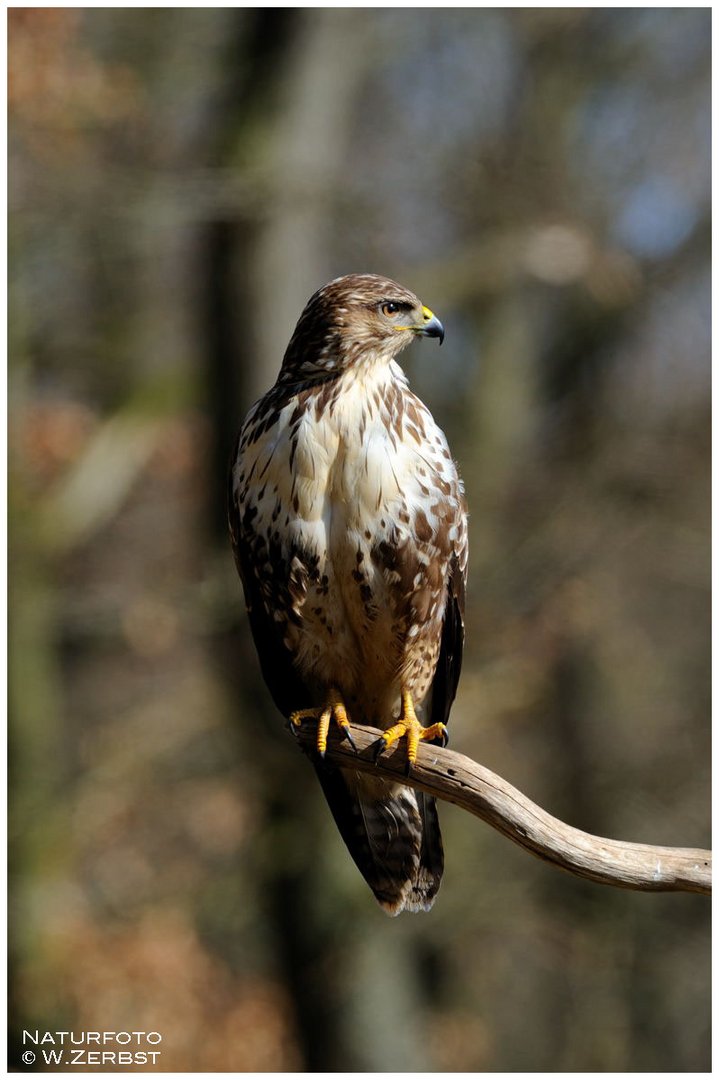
(348, 525)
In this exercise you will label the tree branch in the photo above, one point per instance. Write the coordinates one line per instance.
(459, 780)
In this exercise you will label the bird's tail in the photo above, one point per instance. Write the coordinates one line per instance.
(393, 835)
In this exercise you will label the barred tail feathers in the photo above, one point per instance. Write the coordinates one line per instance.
(392, 833)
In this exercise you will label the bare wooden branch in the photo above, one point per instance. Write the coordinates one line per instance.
(459, 780)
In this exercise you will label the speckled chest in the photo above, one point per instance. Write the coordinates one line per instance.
(351, 509)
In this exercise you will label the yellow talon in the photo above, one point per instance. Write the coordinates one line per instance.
(408, 725)
(334, 709)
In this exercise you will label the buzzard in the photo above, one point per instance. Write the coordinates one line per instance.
(349, 530)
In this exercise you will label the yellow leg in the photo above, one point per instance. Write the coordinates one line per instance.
(333, 710)
(408, 725)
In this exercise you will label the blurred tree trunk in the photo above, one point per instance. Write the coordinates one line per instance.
(260, 270)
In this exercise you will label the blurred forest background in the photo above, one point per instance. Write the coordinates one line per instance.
(180, 182)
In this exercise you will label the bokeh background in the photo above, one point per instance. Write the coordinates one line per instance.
(180, 182)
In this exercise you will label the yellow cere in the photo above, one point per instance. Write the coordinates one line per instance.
(426, 315)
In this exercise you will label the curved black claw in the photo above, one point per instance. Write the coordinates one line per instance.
(350, 740)
(378, 748)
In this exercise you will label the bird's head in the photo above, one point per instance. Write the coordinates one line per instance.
(356, 318)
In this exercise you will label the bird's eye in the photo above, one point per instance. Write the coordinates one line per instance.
(390, 308)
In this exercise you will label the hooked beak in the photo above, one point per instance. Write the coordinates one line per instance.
(431, 326)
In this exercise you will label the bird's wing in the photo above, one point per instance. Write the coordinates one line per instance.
(449, 665)
(283, 680)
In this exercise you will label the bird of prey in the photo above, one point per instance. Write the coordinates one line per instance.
(349, 528)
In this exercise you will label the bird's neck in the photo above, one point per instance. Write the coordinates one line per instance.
(375, 374)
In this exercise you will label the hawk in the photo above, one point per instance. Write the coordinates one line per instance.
(349, 529)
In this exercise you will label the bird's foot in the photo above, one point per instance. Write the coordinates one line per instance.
(333, 710)
(409, 726)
